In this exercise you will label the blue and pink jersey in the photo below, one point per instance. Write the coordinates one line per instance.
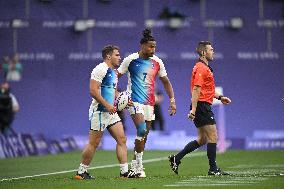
(141, 77)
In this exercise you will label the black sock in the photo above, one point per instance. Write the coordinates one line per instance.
(211, 154)
(191, 146)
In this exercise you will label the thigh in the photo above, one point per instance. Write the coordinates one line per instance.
(202, 134)
(95, 137)
(210, 131)
(117, 131)
(137, 118)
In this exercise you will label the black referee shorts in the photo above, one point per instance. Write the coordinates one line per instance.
(203, 115)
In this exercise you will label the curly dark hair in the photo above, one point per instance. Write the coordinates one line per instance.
(147, 36)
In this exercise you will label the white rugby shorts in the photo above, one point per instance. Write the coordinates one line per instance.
(102, 120)
(146, 110)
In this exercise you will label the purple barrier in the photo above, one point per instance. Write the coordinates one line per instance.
(29, 143)
(264, 144)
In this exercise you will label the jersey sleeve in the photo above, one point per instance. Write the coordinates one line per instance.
(123, 68)
(98, 73)
(200, 74)
(162, 72)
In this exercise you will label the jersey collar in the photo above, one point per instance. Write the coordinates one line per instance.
(206, 64)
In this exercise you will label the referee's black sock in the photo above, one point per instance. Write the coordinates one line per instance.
(211, 154)
(191, 146)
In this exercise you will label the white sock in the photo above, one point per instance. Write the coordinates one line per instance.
(139, 158)
(82, 168)
(133, 164)
(123, 168)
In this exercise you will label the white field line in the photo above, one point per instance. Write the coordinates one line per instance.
(96, 167)
(253, 176)
(201, 185)
(230, 181)
(246, 166)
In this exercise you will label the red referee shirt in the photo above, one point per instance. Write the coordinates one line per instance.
(202, 76)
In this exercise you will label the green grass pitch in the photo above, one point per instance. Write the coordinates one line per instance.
(250, 169)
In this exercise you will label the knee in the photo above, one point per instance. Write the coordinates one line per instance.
(202, 140)
(94, 144)
(213, 138)
(121, 140)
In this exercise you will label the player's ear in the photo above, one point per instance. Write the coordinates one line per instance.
(108, 56)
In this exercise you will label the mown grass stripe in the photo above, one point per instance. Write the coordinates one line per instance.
(91, 168)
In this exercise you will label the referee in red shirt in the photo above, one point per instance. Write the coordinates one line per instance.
(202, 94)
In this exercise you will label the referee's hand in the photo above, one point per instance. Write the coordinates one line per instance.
(225, 100)
(172, 109)
(191, 115)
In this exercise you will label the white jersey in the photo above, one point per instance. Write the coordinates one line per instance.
(108, 79)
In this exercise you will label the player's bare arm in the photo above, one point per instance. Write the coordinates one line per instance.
(169, 89)
(95, 93)
(194, 99)
(225, 100)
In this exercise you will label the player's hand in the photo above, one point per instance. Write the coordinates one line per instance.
(111, 109)
(225, 100)
(172, 109)
(130, 103)
(191, 115)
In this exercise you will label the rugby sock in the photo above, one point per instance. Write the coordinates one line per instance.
(133, 165)
(82, 168)
(123, 168)
(211, 154)
(191, 146)
(139, 157)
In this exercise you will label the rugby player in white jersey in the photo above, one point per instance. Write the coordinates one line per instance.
(102, 114)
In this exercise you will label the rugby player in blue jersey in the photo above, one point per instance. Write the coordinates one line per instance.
(142, 68)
